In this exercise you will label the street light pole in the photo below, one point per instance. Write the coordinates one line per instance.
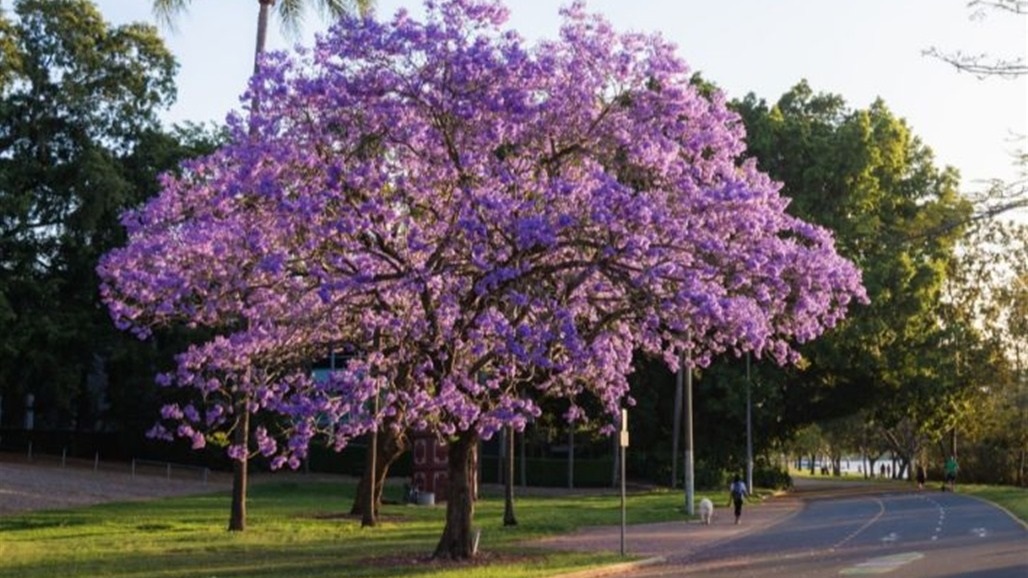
(676, 433)
(688, 465)
(749, 427)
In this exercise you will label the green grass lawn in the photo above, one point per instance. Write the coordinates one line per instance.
(298, 529)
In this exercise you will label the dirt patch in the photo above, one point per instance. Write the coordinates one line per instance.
(47, 484)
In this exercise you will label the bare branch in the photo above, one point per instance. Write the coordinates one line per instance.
(1015, 6)
(980, 65)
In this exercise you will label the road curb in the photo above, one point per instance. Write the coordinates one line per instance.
(1013, 516)
(613, 569)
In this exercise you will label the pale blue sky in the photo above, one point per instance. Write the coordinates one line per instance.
(860, 49)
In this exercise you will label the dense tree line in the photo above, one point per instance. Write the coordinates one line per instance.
(80, 142)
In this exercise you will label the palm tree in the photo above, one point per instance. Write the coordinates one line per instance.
(291, 13)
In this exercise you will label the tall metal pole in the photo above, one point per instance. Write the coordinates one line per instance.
(749, 427)
(677, 430)
(690, 496)
(623, 445)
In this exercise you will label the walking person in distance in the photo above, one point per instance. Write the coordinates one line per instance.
(951, 474)
(738, 493)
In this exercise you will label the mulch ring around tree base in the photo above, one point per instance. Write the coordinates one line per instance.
(346, 516)
(420, 560)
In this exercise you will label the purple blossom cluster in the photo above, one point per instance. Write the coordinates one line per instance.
(489, 223)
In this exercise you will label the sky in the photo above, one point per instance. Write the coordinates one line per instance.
(858, 49)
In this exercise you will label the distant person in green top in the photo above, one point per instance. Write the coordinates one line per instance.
(951, 473)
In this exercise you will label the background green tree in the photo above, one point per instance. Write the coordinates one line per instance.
(79, 142)
(863, 174)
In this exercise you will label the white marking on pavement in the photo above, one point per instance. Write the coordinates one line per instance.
(980, 532)
(881, 511)
(882, 565)
(891, 537)
(942, 518)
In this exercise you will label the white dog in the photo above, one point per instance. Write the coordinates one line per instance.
(706, 511)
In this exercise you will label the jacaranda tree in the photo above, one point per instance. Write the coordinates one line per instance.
(488, 224)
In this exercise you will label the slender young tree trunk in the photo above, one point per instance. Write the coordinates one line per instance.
(237, 521)
(524, 461)
(571, 457)
(391, 445)
(458, 540)
(1021, 468)
(262, 36)
(370, 514)
(509, 519)
(262, 32)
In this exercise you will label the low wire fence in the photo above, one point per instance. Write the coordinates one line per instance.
(135, 467)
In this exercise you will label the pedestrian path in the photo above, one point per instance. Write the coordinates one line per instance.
(681, 538)
(650, 544)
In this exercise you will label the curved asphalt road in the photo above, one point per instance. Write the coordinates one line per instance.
(919, 535)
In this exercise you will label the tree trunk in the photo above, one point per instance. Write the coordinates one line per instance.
(571, 457)
(370, 514)
(458, 540)
(391, 445)
(615, 461)
(901, 470)
(524, 461)
(237, 521)
(262, 32)
(1021, 468)
(509, 518)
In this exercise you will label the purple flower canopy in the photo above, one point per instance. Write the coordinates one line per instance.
(489, 223)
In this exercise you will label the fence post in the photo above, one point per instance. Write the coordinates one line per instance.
(30, 450)
(64, 457)
(96, 462)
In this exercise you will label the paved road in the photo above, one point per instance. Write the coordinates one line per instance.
(910, 535)
(851, 530)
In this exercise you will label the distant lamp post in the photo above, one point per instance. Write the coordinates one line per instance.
(749, 426)
(685, 367)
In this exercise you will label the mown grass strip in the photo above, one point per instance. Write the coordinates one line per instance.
(301, 528)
